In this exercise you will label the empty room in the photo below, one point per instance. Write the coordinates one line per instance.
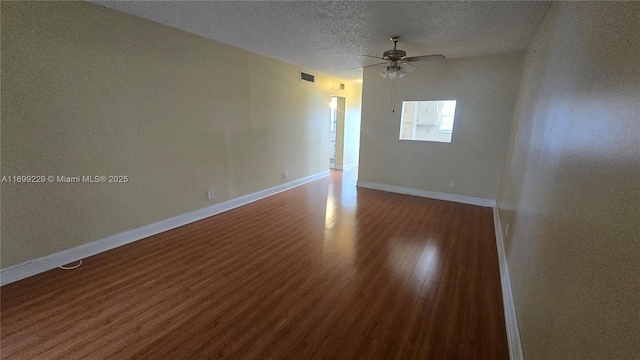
(319, 180)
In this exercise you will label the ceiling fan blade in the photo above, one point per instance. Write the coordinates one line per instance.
(425, 57)
(408, 68)
(413, 66)
(375, 57)
(385, 63)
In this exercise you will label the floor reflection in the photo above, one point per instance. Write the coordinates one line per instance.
(403, 242)
(340, 213)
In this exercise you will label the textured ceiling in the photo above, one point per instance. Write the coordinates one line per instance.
(331, 36)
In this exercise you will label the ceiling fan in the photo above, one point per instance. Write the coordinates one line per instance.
(396, 59)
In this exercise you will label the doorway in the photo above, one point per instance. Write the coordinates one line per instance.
(336, 137)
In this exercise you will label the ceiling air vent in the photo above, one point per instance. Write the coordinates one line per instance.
(307, 77)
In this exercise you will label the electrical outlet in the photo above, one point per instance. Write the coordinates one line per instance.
(210, 194)
(452, 184)
(285, 175)
(506, 230)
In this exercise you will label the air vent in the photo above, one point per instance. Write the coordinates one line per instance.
(341, 86)
(307, 77)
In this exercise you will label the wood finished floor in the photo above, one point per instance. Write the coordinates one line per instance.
(322, 271)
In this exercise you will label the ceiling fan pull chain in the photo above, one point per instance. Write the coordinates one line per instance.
(391, 96)
(394, 86)
(393, 106)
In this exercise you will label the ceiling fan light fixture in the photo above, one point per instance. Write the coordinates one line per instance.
(393, 72)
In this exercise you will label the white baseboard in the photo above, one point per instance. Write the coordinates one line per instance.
(33, 267)
(510, 316)
(347, 167)
(428, 194)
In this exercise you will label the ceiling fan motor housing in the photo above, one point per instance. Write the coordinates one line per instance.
(394, 55)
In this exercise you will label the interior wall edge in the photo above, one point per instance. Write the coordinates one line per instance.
(510, 313)
(347, 166)
(428, 194)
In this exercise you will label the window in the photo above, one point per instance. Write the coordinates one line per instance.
(427, 120)
(447, 112)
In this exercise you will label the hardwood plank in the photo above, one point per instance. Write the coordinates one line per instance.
(320, 271)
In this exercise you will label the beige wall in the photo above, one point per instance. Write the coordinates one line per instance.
(485, 89)
(91, 91)
(571, 191)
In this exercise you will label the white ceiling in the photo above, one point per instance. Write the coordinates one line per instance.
(331, 36)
